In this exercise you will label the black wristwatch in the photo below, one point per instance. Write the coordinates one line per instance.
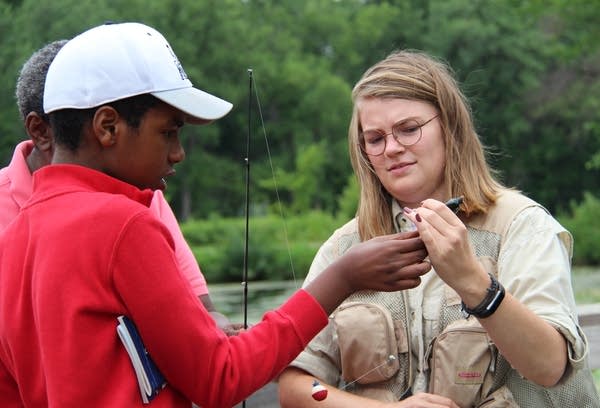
(493, 298)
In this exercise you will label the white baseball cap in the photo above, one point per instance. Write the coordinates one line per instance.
(117, 61)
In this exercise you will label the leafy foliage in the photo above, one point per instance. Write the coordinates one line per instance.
(584, 224)
(278, 250)
(529, 68)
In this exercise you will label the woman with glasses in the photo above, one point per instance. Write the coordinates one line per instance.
(493, 324)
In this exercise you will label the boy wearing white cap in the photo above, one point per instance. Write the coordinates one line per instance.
(85, 249)
(16, 179)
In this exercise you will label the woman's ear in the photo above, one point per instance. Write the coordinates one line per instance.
(105, 125)
(39, 132)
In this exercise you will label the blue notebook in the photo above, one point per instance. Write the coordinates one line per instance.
(150, 379)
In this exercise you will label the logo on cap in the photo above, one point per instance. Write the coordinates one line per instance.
(177, 63)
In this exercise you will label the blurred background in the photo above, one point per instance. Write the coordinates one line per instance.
(531, 70)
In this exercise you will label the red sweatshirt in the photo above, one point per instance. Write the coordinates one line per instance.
(86, 249)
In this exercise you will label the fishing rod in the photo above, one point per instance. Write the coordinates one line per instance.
(247, 210)
(253, 91)
(247, 203)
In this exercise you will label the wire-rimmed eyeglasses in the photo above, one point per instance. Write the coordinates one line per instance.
(405, 132)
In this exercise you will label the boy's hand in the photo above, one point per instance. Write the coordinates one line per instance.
(388, 263)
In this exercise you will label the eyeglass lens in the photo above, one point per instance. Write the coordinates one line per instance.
(407, 133)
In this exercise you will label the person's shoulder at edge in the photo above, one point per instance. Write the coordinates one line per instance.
(159, 202)
(506, 195)
(18, 160)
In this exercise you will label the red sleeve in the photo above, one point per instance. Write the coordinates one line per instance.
(197, 359)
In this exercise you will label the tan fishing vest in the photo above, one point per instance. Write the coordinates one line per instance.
(377, 375)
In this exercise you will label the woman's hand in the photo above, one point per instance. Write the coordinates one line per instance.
(450, 252)
(533, 347)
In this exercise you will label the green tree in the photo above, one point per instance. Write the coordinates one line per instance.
(584, 223)
(529, 69)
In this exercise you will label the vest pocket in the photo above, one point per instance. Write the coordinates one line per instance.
(369, 342)
(501, 398)
(461, 363)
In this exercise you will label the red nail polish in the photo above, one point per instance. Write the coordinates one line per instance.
(418, 217)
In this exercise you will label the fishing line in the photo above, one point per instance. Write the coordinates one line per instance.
(254, 86)
(388, 360)
(251, 82)
(280, 206)
(319, 392)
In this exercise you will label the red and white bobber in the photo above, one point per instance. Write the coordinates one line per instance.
(319, 392)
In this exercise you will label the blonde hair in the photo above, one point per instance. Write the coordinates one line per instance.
(417, 76)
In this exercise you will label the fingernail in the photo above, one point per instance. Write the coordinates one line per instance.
(407, 210)
(418, 217)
